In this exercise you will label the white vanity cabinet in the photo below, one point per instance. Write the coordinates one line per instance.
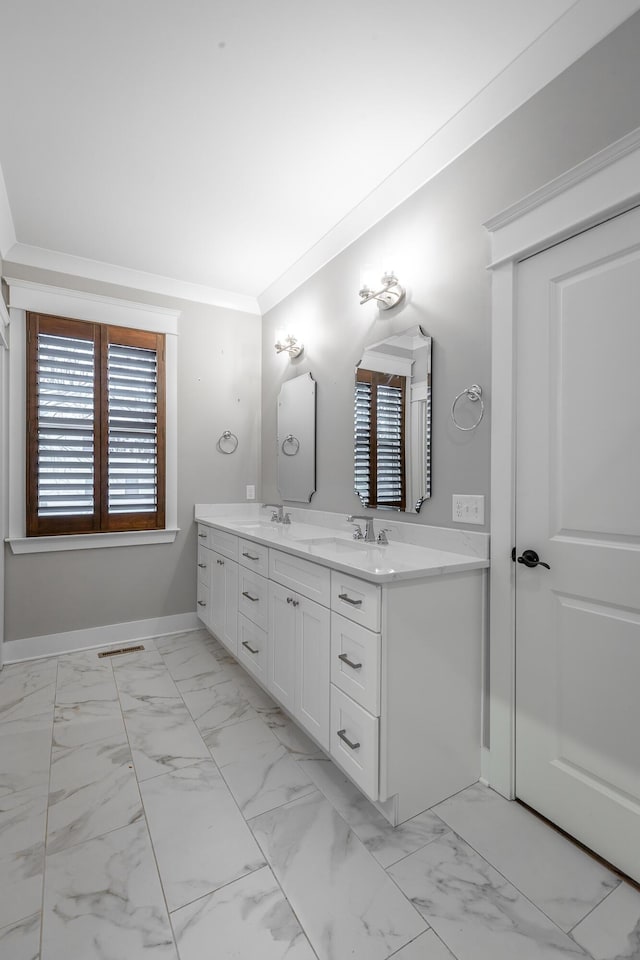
(385, 676)
(217, 592)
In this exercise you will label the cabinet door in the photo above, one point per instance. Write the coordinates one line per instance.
(282, 645)
(216, 593)
(229, 635)
(313, 651)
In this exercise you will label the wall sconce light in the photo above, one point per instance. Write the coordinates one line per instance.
(290, 345)
(389, 295)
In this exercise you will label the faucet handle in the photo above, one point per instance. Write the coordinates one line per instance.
(382, 535)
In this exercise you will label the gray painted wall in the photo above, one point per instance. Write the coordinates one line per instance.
(218, 389)
(441, 251)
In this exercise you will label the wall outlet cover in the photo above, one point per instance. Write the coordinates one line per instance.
(251, 491)
(467, 508)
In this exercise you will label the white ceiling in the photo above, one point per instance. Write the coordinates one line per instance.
(233, 144)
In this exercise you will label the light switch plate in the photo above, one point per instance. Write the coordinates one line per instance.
(468, 508)
(251, 491)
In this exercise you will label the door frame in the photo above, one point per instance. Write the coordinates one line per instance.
(597, 189)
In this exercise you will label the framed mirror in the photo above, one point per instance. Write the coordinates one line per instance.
(392, 422)
(296, 439)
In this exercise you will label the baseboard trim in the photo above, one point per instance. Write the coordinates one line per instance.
(113, 634)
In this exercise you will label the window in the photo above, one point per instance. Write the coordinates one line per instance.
(380, 439)
(95, 427)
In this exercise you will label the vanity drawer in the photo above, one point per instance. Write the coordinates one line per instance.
(224, 543)
(356, 599)
(354, 742)
(202, 602)
(253, 597)
(303, 576)
(252, 648)
(355, 662)
(203, 535)
(204, 562)
(254, 556)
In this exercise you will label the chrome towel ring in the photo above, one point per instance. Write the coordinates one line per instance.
(230, 442)
(472, 393)
(292, 442)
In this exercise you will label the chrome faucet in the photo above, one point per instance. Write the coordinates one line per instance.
(278, 515)
(369, 534)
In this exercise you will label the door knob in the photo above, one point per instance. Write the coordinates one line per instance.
(530, 559)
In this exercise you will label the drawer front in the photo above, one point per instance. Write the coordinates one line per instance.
(356, 599)
(252, 648)
(355, 662)
(204, 564)
(224, 543)
(203, 608)
(254, 556)
(354, 742)
(203, 535)
(303, 576)
(253, 597)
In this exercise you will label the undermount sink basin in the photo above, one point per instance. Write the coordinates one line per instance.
(336, 543)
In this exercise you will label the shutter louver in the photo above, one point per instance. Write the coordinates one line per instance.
(389, 445)
(379, 439)
(362, 432)
(133, 429)
(65, 379)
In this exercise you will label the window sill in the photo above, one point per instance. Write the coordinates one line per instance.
(90, 541)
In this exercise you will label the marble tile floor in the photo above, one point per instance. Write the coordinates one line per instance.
(159, 806)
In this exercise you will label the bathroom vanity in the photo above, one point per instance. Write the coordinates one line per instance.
(374, 650)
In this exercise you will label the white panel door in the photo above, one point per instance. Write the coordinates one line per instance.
(282, 645)
(578, 508)
(313, 656)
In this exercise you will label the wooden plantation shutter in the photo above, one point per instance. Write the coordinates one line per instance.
(380, 439)
(133, 469)
(95, 427)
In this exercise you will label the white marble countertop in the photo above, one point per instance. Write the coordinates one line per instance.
(335, 547)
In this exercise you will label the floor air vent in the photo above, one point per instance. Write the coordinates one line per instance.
(116, 653)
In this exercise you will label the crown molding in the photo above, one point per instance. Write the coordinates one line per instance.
(23, 254)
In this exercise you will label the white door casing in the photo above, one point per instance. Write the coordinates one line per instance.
(577, 483)
(600, 187)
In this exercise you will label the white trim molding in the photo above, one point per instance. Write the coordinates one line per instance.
(110, 635)
(601, 187)
(43, 259)
(25, 295)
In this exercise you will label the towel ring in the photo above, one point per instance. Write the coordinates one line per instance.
(227, 435)
(291, 440)
(473, 393)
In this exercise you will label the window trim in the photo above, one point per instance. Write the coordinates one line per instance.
(29, 296)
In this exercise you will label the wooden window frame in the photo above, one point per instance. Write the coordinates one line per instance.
(101, 521)
(374, 378)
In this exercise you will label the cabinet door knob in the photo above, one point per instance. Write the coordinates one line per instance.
(342, 735)
(220, 563)
(345, 659)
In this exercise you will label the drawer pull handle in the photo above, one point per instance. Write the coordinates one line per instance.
(220, 563)
(345, 659)
(202, 566)
(249, 597)
(202, 603)
(250, 556)
(342, 735)
(347, 599)
(249, 648)
(293, 602)
(202, 536)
